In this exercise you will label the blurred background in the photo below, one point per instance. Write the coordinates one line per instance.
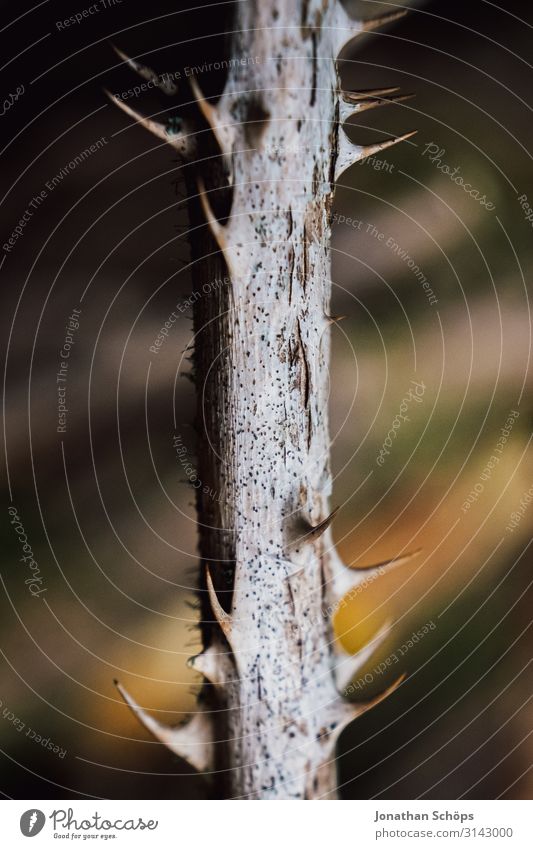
(106, 506)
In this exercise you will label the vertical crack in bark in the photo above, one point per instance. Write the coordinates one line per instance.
(292, 252)
(303, 18)
(304, 381)
(334, 142)
(305, 269)
(314, 77)
(291, 222)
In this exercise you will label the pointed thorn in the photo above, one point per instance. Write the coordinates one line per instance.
(371, 149)
(142, 70)
(334, 319)
(223, 618)
(319, 529)
(349, 665)
(207, 109)
(343, 583)
(207, 663)
(362, 105)
(347, 712)
(217, 229)
(366, 93)
(165, 84)
(355, 710)
(305, 532)
(192, 742)
(223, 131)
(381, 20)
(350, 153)
(386, 565)
(346, 28)
(181, 143)
(362, 707)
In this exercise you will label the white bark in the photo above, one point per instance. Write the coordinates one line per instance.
(261, 360)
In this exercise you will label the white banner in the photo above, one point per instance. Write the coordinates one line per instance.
(254, 825)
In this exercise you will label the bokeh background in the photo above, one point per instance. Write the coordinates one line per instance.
(107, 507)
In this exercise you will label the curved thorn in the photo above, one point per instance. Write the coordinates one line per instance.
(345, 28)
(223, 131)
(356, 710)
(365, 93)
(381, 20)
(217, 229)
(192, 742)
(143, 71)
(305, 532)
(371, 149)
(207, 664)
(345, 713)
(223, 618)
(340, 579)
(334, 319)
(316, 531)
(386, 565)
(349, 153)
(154, 127)
(363, 707)
(344, 587)
(207, 109)
(165, 84)
(322, 781)
(349, 665)
(362, 105)
(179, 141)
